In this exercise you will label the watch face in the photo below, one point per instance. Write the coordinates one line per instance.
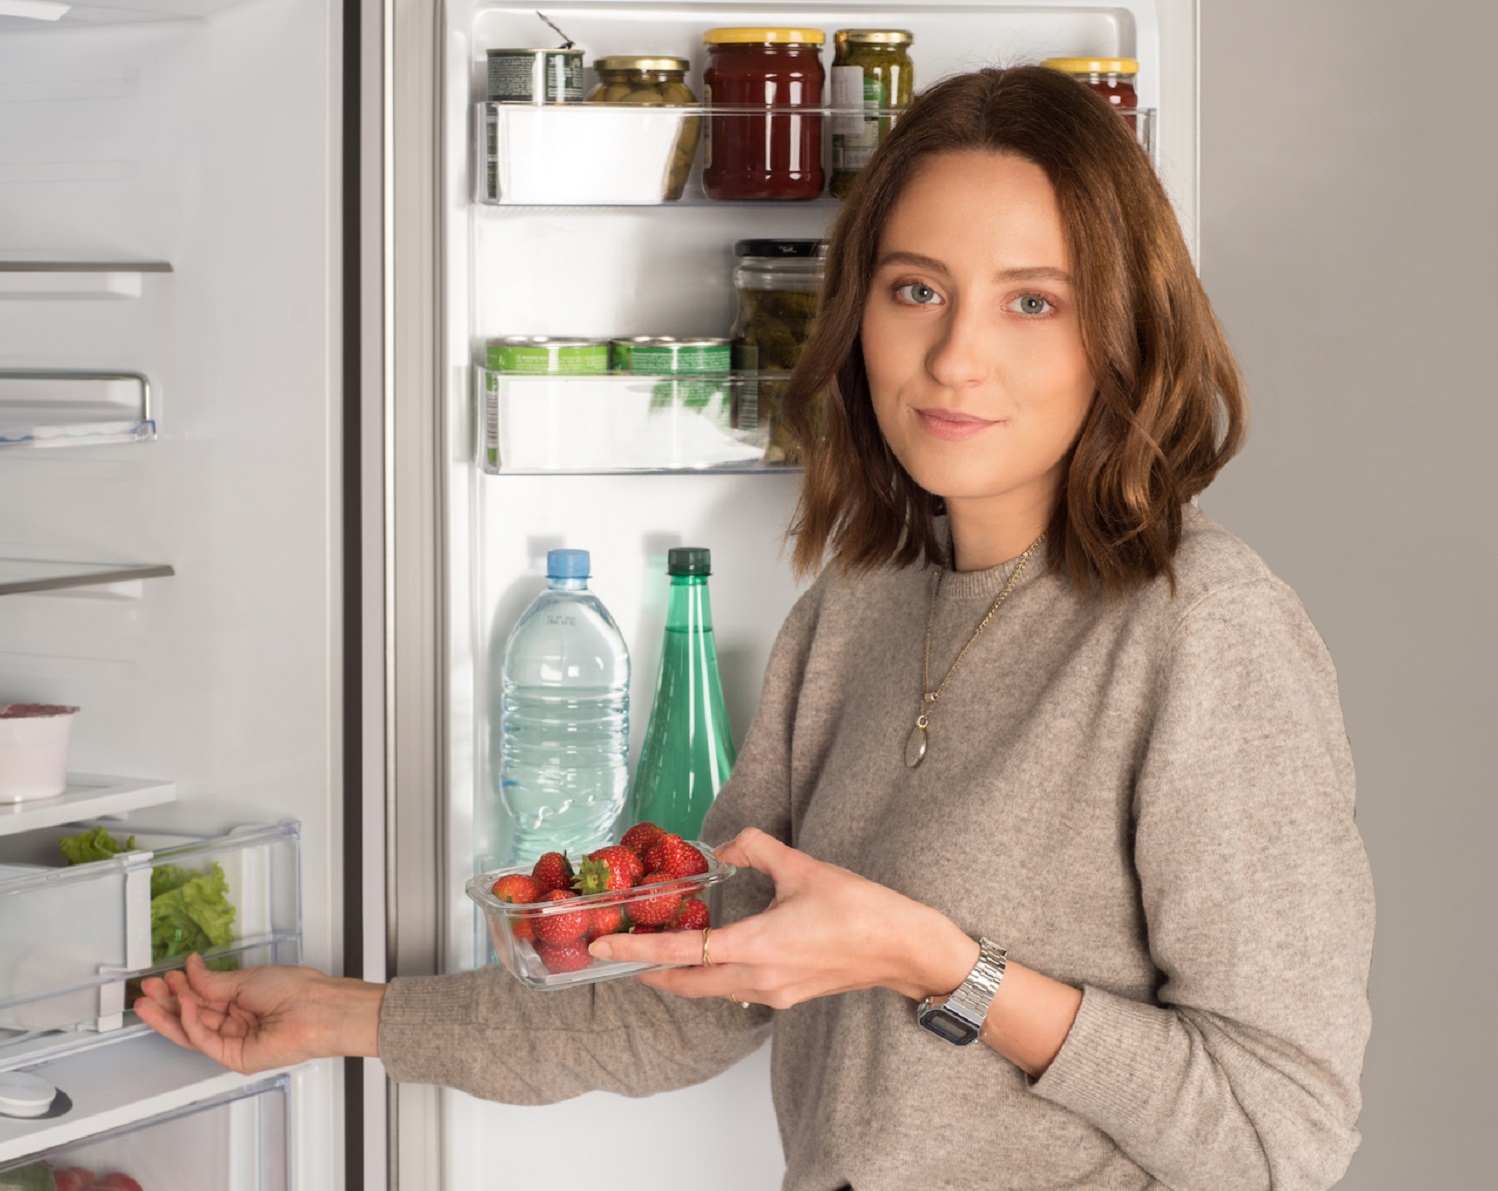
(949, 1026)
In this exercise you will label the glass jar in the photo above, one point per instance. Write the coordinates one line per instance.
(759, 154)
(650, 81)
(1112, 78)
(871, 70)
(777, 282)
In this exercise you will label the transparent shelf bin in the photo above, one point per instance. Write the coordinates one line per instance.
(41, 407)
(75, 939)
(617, 422)
(234, 1141)
(596, 154)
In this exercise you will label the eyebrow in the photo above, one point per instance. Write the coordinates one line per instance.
(1025, 273)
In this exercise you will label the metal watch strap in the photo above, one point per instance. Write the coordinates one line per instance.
(976, 993)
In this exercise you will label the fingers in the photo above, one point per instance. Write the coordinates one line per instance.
(163, 1020)
(664, 947)
(753, 848)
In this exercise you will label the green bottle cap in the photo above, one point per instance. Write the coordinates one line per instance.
(689, 560)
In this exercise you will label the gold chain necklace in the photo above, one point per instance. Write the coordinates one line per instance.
(915, 744)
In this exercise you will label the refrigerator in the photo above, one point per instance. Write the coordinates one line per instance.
(266, 522)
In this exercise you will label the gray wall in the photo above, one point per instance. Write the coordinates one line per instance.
(1350, 201)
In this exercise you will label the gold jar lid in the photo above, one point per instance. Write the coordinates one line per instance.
(750, 36)
(1094, 65)
(629, 62)
(874, 36)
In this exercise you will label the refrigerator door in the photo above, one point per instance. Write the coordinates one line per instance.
(169, 189)
(490, 251)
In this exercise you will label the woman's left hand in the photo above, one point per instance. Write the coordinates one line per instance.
(827, 931)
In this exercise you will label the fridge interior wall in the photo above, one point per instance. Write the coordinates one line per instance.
(209, 144)
(665, 270)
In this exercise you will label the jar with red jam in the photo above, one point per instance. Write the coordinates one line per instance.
(1112, 78)
(758, 146)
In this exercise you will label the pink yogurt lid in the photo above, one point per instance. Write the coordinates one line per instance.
(26, 711)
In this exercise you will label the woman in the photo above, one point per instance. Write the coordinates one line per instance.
(1037, 702)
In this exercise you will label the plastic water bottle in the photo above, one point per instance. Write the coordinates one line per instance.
(688, 750)
(564, 718)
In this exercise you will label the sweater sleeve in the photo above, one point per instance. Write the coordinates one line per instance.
(484, 1033)
(1259, 907)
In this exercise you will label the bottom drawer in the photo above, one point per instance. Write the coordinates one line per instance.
(233, 1142)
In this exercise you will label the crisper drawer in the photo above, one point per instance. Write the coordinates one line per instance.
(233, 1142)
(74, 939)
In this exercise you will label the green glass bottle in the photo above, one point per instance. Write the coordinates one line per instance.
(688, 750)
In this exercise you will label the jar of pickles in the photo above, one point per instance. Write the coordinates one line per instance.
(766, 149)
(1112, 78)
(777, 282)
(651, 81)
(871, 74)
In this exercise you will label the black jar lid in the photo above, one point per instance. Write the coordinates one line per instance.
(689, 560)
(789, 249)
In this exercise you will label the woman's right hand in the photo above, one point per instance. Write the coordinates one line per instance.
(258, 1018)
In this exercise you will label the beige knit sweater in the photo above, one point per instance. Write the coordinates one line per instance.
(1151, 799)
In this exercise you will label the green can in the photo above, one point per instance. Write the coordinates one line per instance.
(541, 355)
(661, 355)
(701, 364)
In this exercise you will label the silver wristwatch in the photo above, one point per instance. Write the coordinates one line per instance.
(959, 1019)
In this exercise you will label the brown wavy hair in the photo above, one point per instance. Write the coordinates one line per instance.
(1169, 409)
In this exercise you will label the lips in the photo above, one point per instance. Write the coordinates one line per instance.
(950, 424)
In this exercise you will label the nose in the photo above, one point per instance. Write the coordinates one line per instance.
(962, 355)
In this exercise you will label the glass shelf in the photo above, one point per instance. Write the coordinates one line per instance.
(20, 576)
(42, 407)
(607, 155)
(87, 796)
(616, 422)
(75, 279)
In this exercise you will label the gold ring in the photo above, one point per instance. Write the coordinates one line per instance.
(734, 997)
(707, 960)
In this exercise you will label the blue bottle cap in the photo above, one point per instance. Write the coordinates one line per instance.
(567, 564)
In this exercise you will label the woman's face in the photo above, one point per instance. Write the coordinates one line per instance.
(972, 345)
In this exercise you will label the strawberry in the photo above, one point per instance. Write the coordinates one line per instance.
(571, 956)
(116, 1181)
(638, 929)
(519, 889)
(608, 869)
(692, 915)
(661, 908)
(553, 871)
(563, 926)
(672, 854)
(639, 838)
(605, 920)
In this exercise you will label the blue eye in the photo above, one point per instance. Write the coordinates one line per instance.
(1032, 304)
(917, 294)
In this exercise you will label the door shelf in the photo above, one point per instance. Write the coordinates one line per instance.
(75, 939)
(605, 155)
(37, 576)
(31, 280)
(616, 422)
(231, 1133)
(42, 407)
(87, 796)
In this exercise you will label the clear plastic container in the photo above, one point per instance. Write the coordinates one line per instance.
(512, 926)
(75, 939)
(563, 766)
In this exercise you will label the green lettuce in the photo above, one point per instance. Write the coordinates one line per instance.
(97, 844)
(190, 911)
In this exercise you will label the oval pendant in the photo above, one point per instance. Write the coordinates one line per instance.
(915, 746)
